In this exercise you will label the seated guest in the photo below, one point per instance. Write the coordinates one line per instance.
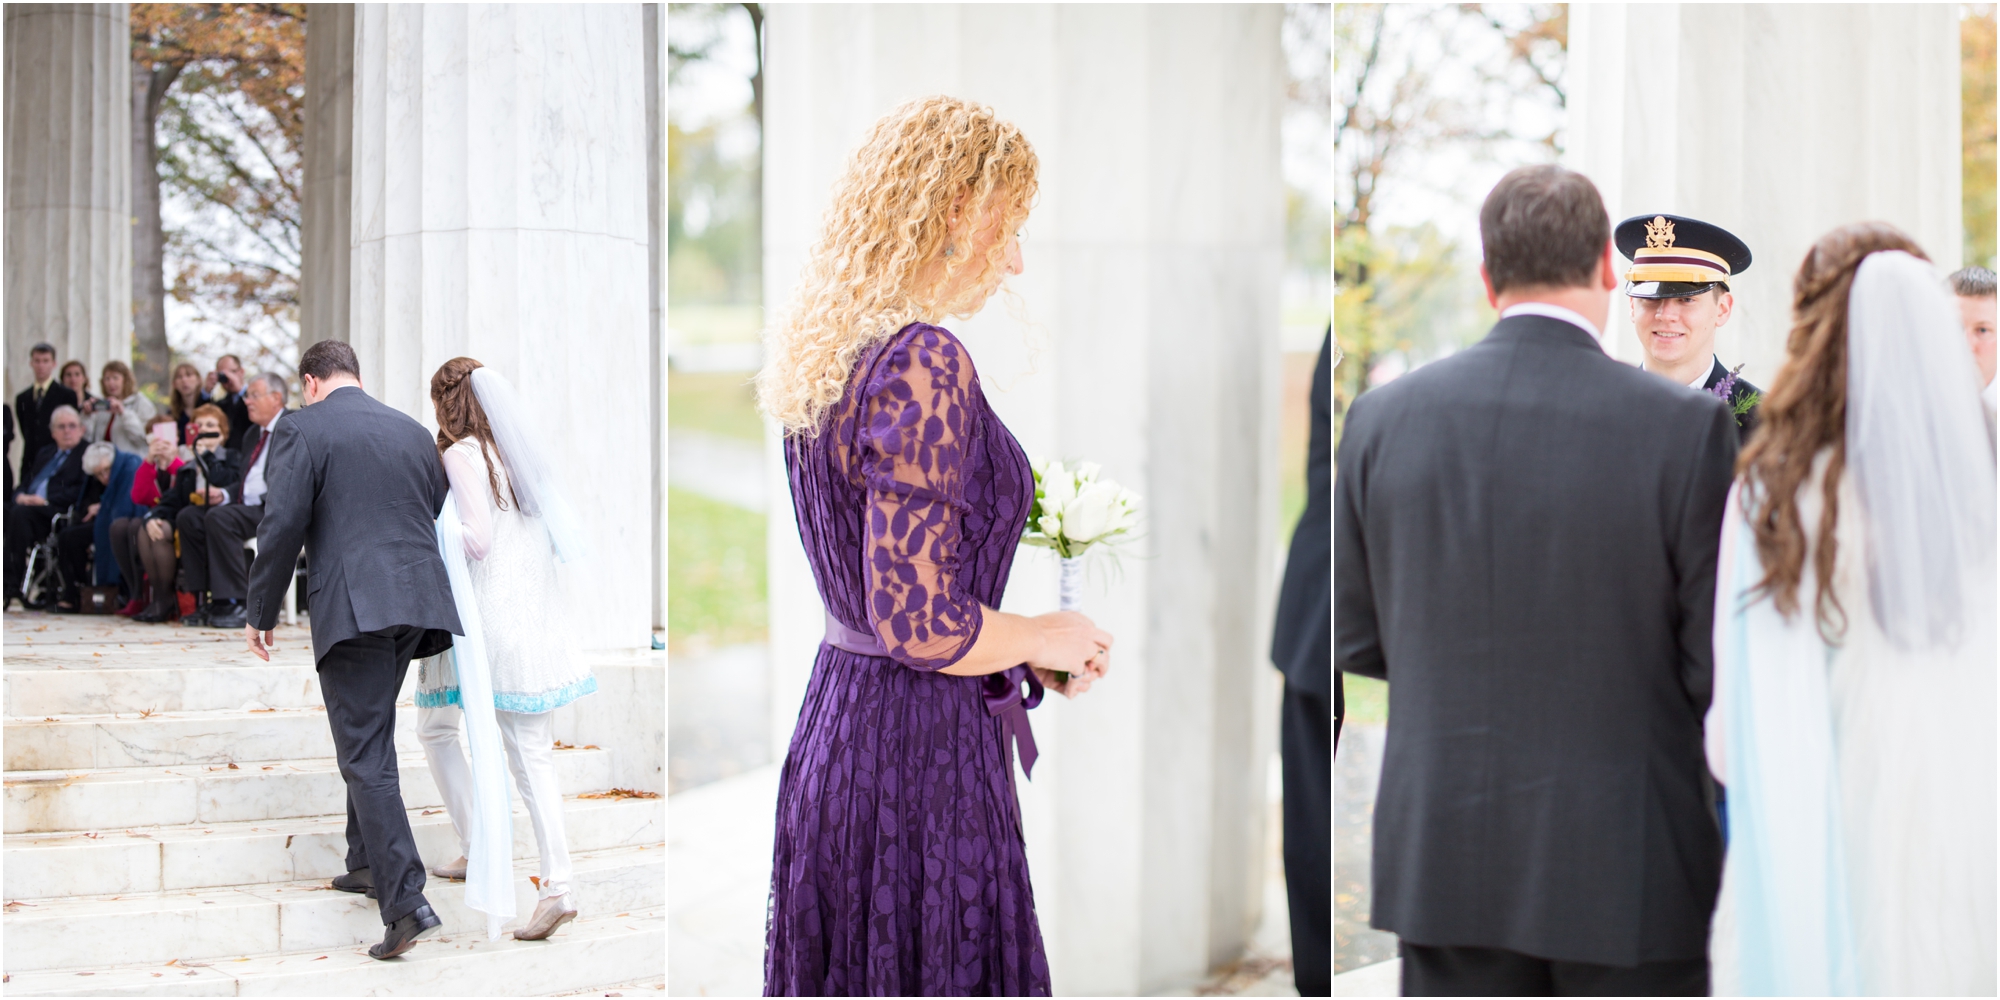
(102, 463)
(161, 462)
(55, 485)
(121, 416)
(200, 480)
(36, 404)
(7, 453)
(183, 397)
(76, 378)
(212, 533)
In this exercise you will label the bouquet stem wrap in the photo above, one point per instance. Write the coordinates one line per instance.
(1069, 585)
(489, 869)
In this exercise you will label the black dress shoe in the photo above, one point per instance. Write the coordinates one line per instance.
(358, 880)
(230, 615)
(155, 612)
(401, 935)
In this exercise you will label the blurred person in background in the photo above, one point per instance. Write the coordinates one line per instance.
(73, 541)
(76, 378)
(1973, 288)
(161, 456)
(1302, 647)
(37, 404)
(121, 416)
(213, 532)
(184, 395)
(56, 484)
(226, 387)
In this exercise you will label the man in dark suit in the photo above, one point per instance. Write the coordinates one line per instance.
(56, 484)
(1302, 647)
(37, 404)
(1527, 537)
(213, 532)
(359, 484)
(228, 389)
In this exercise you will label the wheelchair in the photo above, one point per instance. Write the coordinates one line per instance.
(43, 583)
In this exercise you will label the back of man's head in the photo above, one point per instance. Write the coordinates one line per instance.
(1542, 226)
(327, 359)
(1972, 283)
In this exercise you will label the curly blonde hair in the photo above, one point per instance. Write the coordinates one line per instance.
(870, 273)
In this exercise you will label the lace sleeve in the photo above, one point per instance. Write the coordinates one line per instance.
(471, 490)
(914, 427)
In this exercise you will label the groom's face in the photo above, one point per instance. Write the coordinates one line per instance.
(1672, 331)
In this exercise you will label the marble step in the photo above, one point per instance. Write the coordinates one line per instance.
(33, 693)
(162, 859)
(217, 925)
(240, 736)
(179, 795)
(629, 946)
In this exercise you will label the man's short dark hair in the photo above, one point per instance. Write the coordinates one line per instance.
(1543, 225)
(327, 359)
(1972, 283)
(42, 348)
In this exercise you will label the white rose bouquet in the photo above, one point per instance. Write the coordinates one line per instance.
(1075, 510)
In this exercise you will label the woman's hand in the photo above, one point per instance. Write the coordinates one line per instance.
(156, 529)
(115, 405)
(159, 452)
(1073, 644)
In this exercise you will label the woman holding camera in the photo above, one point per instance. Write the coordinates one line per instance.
(182, 477)
(122, 415)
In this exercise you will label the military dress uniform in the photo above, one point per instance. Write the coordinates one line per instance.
(1675, 257)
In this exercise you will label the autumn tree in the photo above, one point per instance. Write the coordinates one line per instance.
(1975, 38)
(217, 116)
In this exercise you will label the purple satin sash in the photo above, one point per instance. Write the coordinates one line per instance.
(1001, 691)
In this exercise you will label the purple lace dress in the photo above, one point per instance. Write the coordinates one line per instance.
(899, 868)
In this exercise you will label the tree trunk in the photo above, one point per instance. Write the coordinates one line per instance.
(152, 359)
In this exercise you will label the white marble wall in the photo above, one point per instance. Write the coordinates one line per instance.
(499, 211)
(1145, 337)
(1778, 122)
(327, 196)
(68, 185)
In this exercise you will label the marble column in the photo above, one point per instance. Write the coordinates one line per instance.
(328, 192)
(1778, 122)
(68, 182)
(499, 211)
(1145, 337)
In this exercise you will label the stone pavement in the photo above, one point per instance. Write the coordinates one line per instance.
(1357, 768)
(719, 863)
(173, 810)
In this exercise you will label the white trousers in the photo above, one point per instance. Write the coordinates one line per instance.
(530, 743)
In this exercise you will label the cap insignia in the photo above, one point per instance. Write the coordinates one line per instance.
(1659, 233)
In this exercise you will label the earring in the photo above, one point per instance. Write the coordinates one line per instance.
(948, 249)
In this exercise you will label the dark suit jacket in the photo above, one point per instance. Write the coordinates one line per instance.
(222, 467)
(1526, 537)
(67, 488)
(359, 484)
(238, 412)
(1302, 643)
(35, 419)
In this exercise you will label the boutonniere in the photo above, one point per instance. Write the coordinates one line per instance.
(1738, 407)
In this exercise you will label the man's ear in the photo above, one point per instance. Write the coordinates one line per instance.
(1487, 280)
(1607, 277)
(1725, 306)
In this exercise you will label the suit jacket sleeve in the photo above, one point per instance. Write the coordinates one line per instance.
(1699, 536)
(1357, 645)
(292, 480)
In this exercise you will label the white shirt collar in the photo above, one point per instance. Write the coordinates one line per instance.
(1701, 380)
(1569, 316)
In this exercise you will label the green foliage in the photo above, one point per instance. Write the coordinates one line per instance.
(1405, 292)
(1976, 48)
(1367, 700)
(715, 573)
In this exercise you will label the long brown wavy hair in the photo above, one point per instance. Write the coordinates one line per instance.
(1804, 413)
(460, 416)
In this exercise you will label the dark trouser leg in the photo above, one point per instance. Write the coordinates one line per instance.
(1430, 971)
(1685, 978)
(1308, 762)
(158, 558)
(128, 535)
(73, 548)
(228, 565)
(26, 527)
(359, 679)
(192, 525)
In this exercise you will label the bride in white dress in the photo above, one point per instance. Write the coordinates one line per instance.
(1853, 719)
(510, 528)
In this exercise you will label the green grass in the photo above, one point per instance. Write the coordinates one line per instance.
(1367, 700)
(715, 573)
(713, 324)
(715, 402)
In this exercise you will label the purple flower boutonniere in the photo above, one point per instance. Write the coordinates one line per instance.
(1721, 390)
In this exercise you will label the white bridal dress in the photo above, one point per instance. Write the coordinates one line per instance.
(1860, 771)
(517, 663)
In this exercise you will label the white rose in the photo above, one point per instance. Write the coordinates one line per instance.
(1089, 517)
(1086, 472)
(1051, 525)
(1058, 488)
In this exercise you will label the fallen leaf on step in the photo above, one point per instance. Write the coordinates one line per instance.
(591, 746)
(624, 914)
(86, 973)
(560, 745)
(432, 812)
(49, 718)
(233, 767)
(157, 975)
(269, 766)
(322, 957)
(620, 793)
(174, 961)
(536, 879)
